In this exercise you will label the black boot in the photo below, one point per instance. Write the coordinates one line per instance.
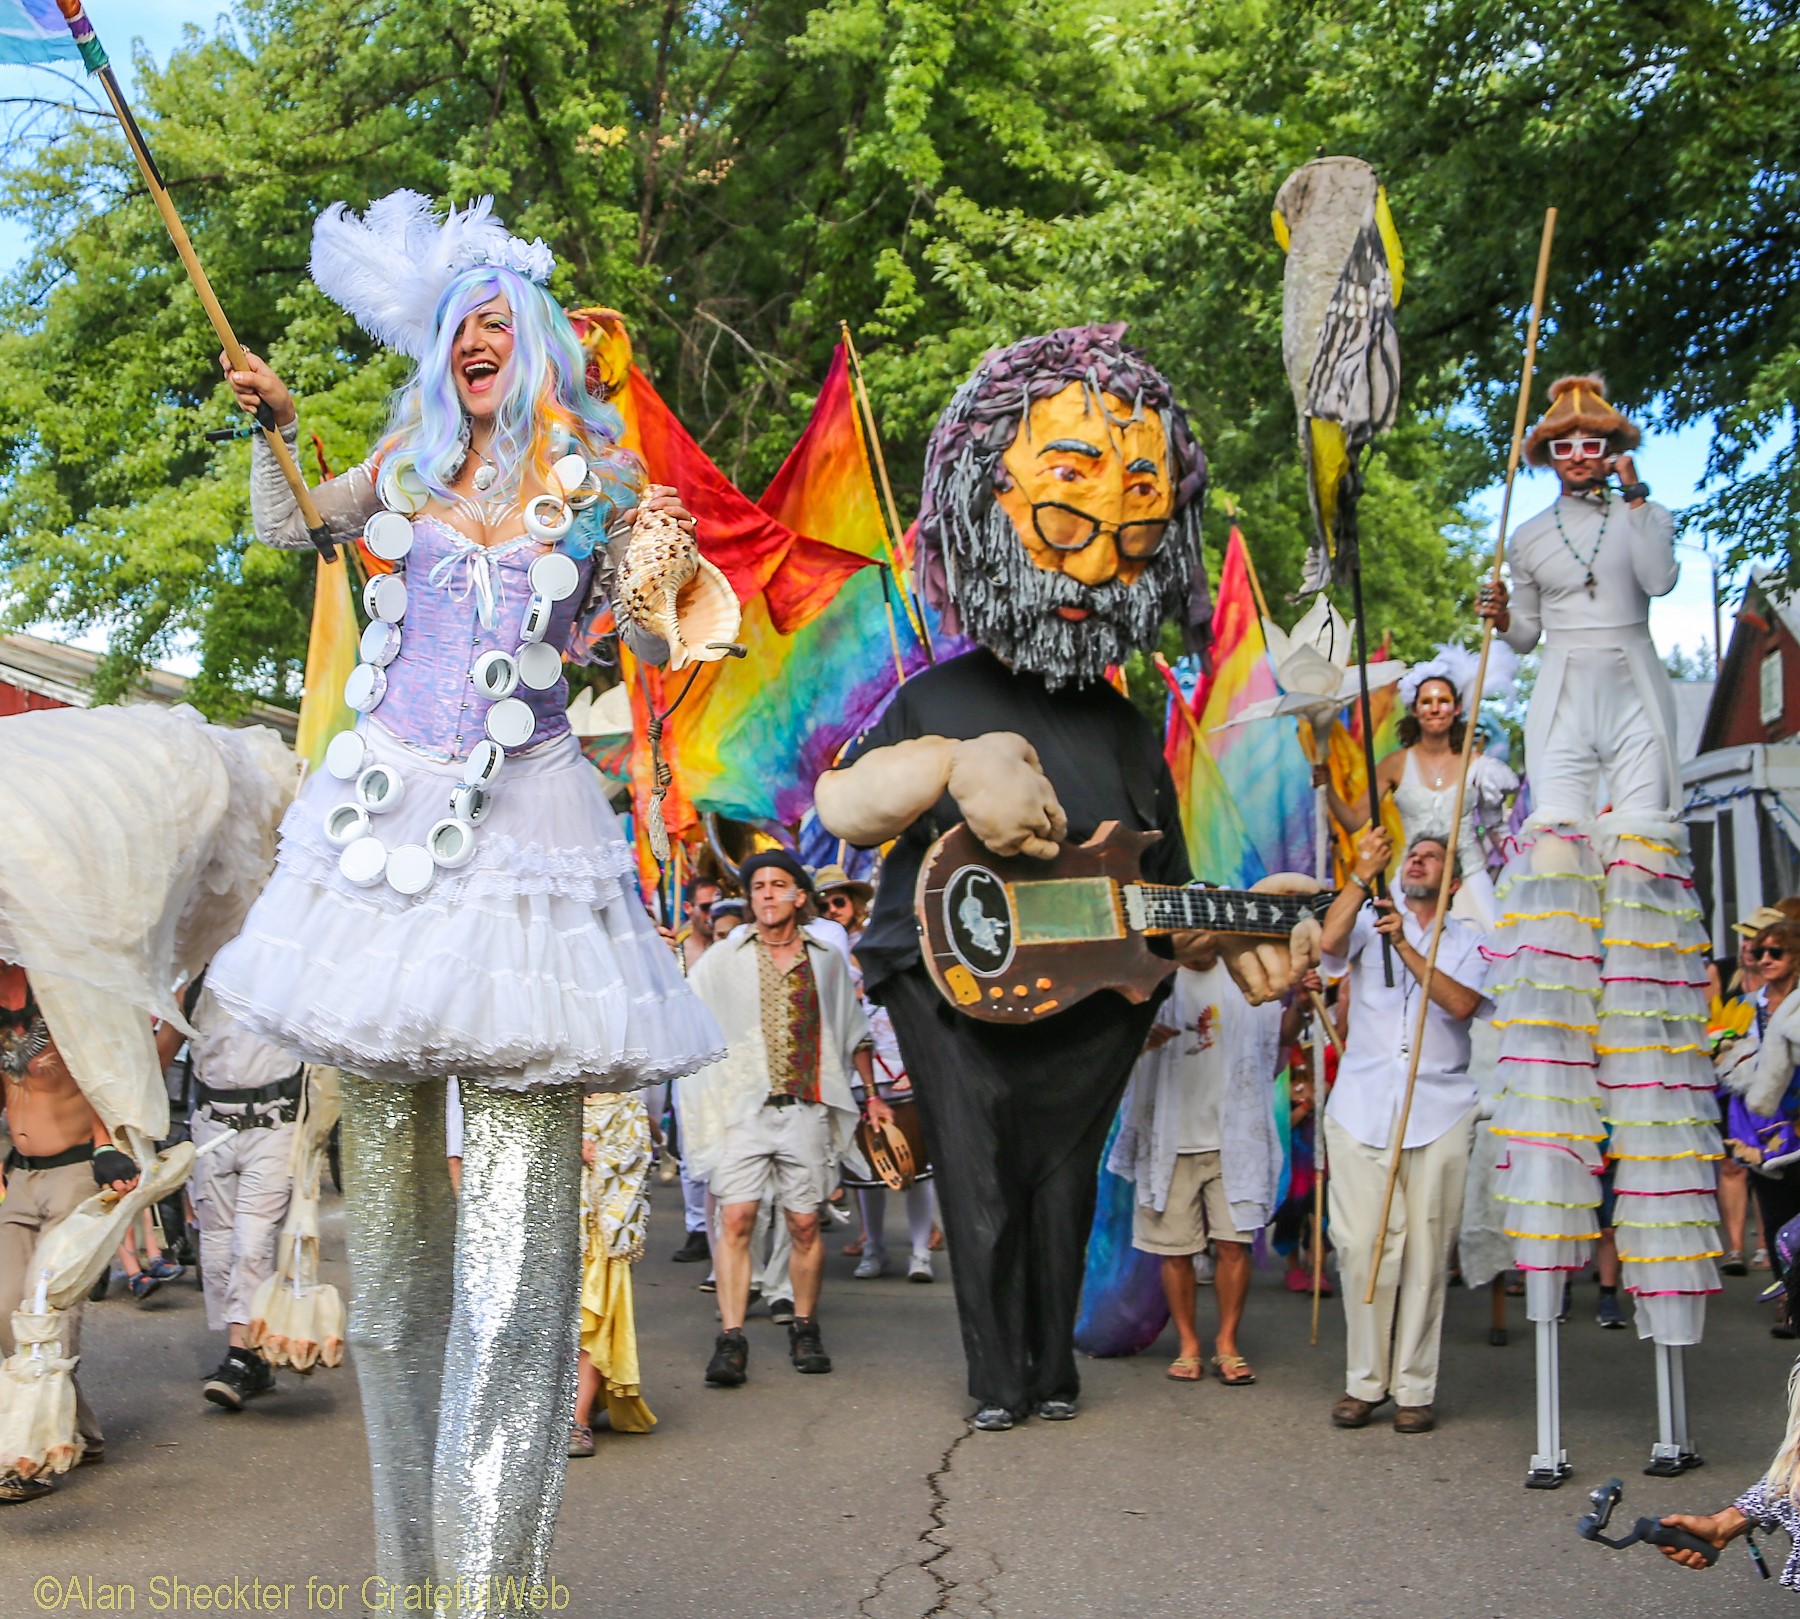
(694, 1250)
(805, 1348)
(730, 1362)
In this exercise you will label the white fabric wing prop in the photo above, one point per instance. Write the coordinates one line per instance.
(295, 1319)
(136, 839)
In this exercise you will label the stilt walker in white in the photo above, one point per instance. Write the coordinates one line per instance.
(1598, 957)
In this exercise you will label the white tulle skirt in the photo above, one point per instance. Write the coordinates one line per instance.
(534, 964)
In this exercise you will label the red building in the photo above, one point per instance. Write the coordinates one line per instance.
(1743, 788)
(35, 673)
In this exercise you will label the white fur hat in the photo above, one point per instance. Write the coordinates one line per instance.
(1457, 665)
(389, 268)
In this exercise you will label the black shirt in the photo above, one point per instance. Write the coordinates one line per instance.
(1103, 758)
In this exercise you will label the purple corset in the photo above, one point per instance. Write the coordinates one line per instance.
(463, 600)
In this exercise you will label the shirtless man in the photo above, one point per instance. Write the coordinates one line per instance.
(60, 1150)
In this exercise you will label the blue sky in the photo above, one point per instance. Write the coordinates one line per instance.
(1673, 463)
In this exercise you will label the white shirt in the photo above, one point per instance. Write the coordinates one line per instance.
(1372, 1076)
(228, 1057)
(1196, 1055)
(1633, 560)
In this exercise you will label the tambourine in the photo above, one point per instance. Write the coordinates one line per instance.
(888, 1153)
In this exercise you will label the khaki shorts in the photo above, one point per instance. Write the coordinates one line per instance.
(784, 1149)
(1197, 1211)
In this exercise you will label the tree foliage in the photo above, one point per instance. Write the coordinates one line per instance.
(739, 176)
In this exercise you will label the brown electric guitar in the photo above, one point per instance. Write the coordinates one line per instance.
(1013, 939)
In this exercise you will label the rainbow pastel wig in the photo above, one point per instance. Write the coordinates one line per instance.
(545, 409)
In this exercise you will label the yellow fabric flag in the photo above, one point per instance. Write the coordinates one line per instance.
(330, 656)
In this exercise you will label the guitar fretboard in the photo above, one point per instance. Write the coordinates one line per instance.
(1151, 908)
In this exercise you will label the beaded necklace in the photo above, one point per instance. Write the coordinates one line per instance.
(1587, 562)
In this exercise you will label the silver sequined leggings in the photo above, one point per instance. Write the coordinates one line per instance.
(463, 1324)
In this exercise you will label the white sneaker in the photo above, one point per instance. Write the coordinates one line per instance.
(872, 1264)
(919, 1270)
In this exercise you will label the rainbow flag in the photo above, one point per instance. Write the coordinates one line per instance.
(1246, 790)
(34, 31)
(754, 734)
(331, 653)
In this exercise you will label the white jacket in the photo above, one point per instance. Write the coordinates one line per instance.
(1250, 1152)
(729, 1092)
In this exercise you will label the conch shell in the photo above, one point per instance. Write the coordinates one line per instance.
(667, 588)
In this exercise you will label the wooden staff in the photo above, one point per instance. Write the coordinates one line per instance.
(95, 60)
(1318, 1124)
(1468, 750)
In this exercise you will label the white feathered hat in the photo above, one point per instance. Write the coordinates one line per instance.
(1457, 666)
(389, 269)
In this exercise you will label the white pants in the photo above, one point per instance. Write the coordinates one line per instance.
(1402, 1328)
(240, 1192)
(1599, 724)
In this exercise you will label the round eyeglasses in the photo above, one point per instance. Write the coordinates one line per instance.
(1068, 528)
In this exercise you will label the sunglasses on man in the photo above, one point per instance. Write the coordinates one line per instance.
(1567, 449)
(833, 901)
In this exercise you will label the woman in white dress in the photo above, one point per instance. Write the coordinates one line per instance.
(1421, 773)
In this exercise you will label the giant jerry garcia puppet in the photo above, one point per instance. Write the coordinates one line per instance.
(1600, 987)
(1060, 527)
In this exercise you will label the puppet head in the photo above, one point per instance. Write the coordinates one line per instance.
(1061, 515)
(1578, 407)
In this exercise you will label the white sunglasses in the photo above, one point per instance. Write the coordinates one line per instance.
(1566, 449)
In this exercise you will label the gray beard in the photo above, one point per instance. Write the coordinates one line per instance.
(1418, 891)
(1008, 605)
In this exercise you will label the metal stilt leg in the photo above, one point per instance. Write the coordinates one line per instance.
(1550, 1464)
(1671, 1454)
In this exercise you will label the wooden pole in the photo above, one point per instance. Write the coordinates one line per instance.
(1520, 413)
(1332, 1032)
(1318, 1124)
(893, 535)
(96, 61)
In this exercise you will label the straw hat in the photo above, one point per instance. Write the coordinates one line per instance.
(833, 878)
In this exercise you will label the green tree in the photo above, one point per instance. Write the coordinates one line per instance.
(737, 177)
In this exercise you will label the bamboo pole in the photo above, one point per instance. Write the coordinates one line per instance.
(95, 60)
(1318, 1124)
(1520, 413)
(893, 534)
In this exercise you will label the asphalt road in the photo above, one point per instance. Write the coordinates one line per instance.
(865, 1494)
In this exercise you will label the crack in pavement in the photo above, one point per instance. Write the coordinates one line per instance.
(944, 1586)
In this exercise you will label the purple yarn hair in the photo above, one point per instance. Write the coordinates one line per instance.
(958, 526)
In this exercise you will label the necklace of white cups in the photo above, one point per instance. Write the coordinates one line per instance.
(354, 828)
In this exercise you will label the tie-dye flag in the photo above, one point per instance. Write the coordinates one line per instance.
(754, 734)
(34, 31)
(1246, 790)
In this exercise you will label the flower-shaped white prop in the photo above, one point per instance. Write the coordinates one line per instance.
(1314, 668)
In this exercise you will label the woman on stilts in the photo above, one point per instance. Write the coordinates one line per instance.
(453, 895)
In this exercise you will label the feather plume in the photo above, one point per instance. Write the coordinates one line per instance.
(389, 268)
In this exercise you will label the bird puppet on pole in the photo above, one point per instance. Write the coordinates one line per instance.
(28, 34)
(1342, 353)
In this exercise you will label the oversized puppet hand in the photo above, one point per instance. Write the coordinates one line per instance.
(1265, 969)
(1005, 796)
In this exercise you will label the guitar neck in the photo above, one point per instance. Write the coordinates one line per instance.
(1154, 908)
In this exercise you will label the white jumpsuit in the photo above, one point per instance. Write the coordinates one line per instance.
(1603, 703)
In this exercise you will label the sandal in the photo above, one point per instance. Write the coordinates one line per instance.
(142, 1285)
(1186, 1369)
(1227, 1365)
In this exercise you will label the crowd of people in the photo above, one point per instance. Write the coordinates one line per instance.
(515, 1044)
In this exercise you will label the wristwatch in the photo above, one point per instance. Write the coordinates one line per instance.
(1362, 882)
(1635, 491)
